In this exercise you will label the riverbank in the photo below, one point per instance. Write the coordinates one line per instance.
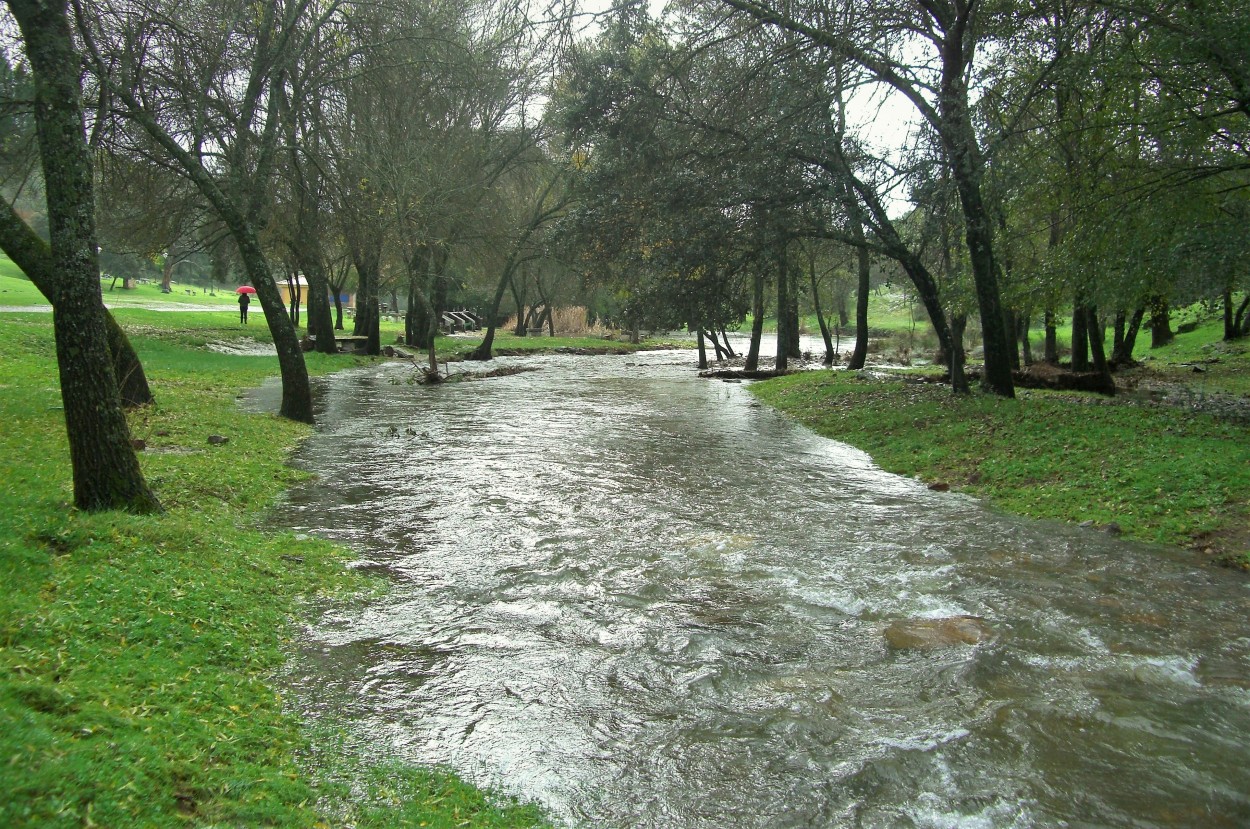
(1167, 460)
(140, 657)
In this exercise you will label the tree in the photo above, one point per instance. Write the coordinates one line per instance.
(105, 468)
(212, 107)
(937, 85)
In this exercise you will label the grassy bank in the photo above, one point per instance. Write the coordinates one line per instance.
(1165, 474)
(138, 654)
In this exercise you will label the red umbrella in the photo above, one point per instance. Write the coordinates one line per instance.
(246, 289)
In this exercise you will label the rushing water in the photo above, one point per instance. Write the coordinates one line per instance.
(645, 600)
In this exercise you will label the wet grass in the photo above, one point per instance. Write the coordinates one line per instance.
(1162, 474)
(138, 655)
(16, 289)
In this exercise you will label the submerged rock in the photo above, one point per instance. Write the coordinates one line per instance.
(932, 634)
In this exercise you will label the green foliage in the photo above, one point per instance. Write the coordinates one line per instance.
(138, 654)
(1162, 474)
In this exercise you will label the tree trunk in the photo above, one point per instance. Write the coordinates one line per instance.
(964, 155)
(415, 323)
(702, 348)
(438, 289)
(167, 273)
(783, 314)
(793, 333)
(366, 255)
(958, 359)
(1230, 330)
(757, 324)
(106, 470)
(1160, 323)
(1012, 323)
(320, 325)
(296, 390)
(1026, 348)
(1126, 338)
(485, 349)
(1080, 336)
(294, 297)
(820, 317)
(1094, 330)
(417, 319)
(1241, 322)
(723, 352)
(859, 356)
(1051, 347)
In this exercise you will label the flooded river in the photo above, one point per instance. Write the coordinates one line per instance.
(643, 599)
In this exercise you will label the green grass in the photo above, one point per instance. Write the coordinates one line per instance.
(16, 289)
(1224, 366)
(1163, 475)
(138, 655)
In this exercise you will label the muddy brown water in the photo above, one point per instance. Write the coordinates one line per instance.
(643, 599)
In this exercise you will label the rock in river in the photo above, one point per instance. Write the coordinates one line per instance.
(931, 634)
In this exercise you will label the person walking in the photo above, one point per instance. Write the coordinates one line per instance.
(245, 300)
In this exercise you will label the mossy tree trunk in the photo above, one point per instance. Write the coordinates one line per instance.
(106, 470)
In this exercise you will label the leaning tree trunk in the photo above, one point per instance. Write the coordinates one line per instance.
(1097, 348)
(296, 389)
(106, 470)
(484, 351)
(723, 351)
(820, 317)
(702, 347)
(1126, 340)
(1241, 321)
